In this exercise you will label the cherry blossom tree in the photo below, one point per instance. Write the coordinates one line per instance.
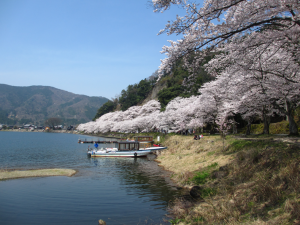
(179, 113)
(133, 119)
(255, 44)
(219, 22)
(269, 77)
(259, 81)
(224, 125)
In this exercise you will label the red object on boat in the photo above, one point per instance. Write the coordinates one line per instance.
(156, 145)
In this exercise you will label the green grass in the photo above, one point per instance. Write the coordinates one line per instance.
(213, 165)
(175, 221)
(237, 145)
(198, 219)
(208, 192)
(261, 142)
(211, 153)
(200, 177)
(275, 128)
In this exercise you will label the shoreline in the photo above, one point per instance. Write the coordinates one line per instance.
(60, 131)
(234, 179)
(227, 178)
(15, 174)
(42, 131)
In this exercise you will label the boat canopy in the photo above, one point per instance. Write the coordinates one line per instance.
(143, 138)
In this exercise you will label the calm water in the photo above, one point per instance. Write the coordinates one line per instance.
(117, 190)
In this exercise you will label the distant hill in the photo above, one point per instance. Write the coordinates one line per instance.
(34, 104)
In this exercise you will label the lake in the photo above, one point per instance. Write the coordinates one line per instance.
(117, 190)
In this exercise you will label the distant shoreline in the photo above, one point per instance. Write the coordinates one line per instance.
(61, 131)
(51, 131)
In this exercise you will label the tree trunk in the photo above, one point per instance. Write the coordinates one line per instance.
(223, 142)
(266, 125)
(248, 131)
(293, 128)
(267, 121)
(234, 129)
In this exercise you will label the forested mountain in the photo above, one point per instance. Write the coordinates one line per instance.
(179, 82)
(34, 104)
(135, 94)
(170, 86)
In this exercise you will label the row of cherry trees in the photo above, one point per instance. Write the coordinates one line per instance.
(141, 118)
(250, 92)
(257, 94)
(255, 44)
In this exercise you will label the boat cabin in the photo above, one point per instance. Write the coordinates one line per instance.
(145, 141)
(143, 138)
(128, 145)
(144, 145)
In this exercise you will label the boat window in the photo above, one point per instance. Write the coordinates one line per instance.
(128, 146)
(122, 146)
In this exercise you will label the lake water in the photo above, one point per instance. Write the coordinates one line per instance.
(117, 190)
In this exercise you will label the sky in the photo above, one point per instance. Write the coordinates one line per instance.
(90, 47)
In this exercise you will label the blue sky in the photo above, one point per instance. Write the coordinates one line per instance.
(90, 47)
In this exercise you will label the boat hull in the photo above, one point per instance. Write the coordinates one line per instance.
(154, 148)
(138, 153)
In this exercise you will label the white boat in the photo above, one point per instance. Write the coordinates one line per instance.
(154, 148)
(116, 153)
(146, 143)
(125, 149)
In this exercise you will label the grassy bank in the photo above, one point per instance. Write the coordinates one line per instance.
(253, 180)
(275, 128)
(6, 174)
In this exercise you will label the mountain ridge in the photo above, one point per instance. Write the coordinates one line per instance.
(34, 104)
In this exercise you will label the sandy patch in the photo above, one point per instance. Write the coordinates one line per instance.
(35, 173)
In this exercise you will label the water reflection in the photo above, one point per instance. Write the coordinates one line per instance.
(118, 190)
(139, 176)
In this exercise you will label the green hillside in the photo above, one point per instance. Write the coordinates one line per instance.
(172, 84)
(34, 104)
